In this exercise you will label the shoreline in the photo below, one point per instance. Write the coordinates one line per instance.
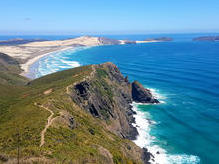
(26, 66)
(143, 123)
(28, 53)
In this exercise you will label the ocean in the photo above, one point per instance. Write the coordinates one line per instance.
(182, 74)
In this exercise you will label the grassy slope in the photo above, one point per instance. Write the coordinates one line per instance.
(9, 71)
(19, 115)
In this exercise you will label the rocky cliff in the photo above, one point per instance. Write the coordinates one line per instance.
(107, 94)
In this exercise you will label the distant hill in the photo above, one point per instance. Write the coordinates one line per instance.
(207, 38)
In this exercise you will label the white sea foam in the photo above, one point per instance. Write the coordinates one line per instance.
(55, 64)
(70, 63)
(60, 66)
(156, 94)
(52, 66)
(48, 65)
(144, 139)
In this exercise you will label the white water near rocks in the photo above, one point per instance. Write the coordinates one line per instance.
(143, 123)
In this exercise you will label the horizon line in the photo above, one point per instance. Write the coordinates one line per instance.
(102, 33)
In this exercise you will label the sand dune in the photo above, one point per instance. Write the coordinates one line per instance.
(29, 53)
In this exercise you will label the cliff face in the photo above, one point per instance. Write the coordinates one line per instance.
(108, 95)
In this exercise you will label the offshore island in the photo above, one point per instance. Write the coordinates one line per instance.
(80, 115)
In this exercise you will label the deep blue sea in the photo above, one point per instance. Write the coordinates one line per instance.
(183, 74)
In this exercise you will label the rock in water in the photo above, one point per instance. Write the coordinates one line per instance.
(142, 95)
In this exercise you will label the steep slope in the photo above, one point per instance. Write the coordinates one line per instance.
(9, 70)
(80, 115)
(8, 63)
(108, 95)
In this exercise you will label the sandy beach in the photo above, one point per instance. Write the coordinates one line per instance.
(26, 65)
(139, 41)
(27, 54)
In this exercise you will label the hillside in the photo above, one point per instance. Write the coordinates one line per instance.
(9, 70)
(81, 115)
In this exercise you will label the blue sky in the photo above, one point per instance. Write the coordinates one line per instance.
(108, 16)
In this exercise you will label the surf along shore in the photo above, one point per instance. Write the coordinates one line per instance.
(28, 53)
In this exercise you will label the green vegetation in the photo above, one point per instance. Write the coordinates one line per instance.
(101, 73)
(22, 120)
(101, 84)
(8, 63)
(9, 70)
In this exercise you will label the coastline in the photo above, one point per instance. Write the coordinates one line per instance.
(28, 53)
(26, 66)
(141, 42)
(143, 123)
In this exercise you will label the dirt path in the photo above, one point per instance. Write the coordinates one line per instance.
(49, 122)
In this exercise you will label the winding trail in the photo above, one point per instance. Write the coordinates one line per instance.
(49, 122)
(50, 118)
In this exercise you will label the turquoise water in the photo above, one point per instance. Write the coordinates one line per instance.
(184, 76)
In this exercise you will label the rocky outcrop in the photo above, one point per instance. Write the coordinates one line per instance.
(107, 95)
(161, 39)
(107, 41)
(128, 42)
(142, 95)
(147, 156)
